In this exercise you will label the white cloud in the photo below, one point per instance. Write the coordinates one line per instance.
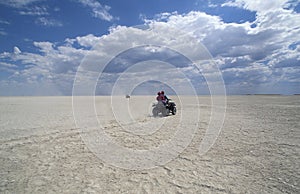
(51, 63)
(99, 11)
(273, 33)
(17, 3)
(258, 5)
(123, 38)
(8, 67)
(4, 22)
(30, 8)
(2, 32)
(17, 50)
(3, 64)
(87, 41)
(252, 59)
(34, 11)
(48, 22)
(248, 55)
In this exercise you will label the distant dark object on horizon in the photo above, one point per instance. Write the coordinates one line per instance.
(265, 94)
(127, 96)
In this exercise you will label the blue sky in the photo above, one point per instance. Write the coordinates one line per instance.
(254, 43)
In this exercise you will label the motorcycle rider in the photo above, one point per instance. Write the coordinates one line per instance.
(159, 97)
(164, 98)
(164, 105)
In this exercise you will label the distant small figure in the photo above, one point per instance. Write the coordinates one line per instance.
(127, 96)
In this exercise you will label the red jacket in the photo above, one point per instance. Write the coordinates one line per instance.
(160, 98)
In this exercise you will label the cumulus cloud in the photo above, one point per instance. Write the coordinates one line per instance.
(17, 50)
(249, 56)
(3, 64)
(261, 6)
(86, 41)
(240, 48)
(125, 47)
(54, 65)
(253, 57)
(8, 67)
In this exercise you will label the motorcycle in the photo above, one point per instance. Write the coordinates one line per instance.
(159, 108)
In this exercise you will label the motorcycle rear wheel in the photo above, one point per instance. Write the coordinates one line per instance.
(174, 111)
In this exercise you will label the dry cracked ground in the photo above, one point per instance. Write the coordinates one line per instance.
(257, 150)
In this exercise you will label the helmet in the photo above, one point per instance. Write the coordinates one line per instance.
(162, 92)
